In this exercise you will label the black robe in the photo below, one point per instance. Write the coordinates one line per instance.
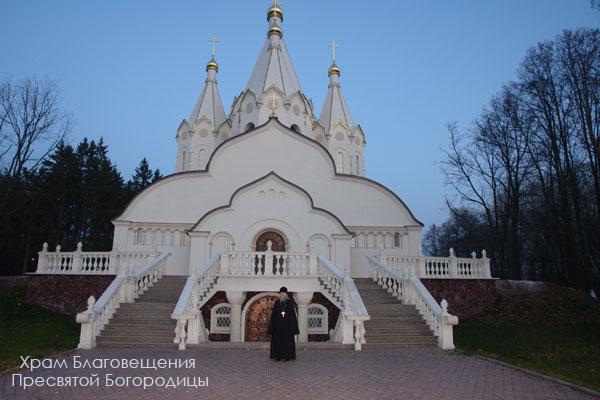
(283, 329)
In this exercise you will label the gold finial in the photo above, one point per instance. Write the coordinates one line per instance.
(333, 46)
(275, 9)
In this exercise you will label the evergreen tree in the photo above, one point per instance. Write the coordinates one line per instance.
(142, 178)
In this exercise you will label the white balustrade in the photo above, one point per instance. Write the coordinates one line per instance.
(129, 284)
(451, 267)
(88, 262)
(410, 290)
(340, 289)
(267, 263)
(198, 289)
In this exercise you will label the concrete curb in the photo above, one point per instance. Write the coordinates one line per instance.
(534, 373)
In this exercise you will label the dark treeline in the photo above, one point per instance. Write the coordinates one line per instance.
(50, 191)
(71, 197)
(526, 175)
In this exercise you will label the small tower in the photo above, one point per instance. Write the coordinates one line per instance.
(197, 135)
(273, 89)
(344, 139)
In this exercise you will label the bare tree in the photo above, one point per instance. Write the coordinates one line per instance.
(31, 126)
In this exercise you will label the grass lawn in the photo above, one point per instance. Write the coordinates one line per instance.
(528, 332)
(27, 330)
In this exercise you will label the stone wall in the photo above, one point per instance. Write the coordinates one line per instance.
(466, 297)
(65, 294)
(12, 281)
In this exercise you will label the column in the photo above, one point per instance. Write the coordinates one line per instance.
(198, 250)
(303, 300)
(235, 299)
(341, 254)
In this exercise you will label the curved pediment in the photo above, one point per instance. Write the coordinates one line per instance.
(273, 195)
(185, 196)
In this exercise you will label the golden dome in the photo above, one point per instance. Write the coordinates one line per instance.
(275, 10)
(274, 30)
(212, 64)
(334, 69)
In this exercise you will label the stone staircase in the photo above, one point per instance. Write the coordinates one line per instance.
(146, 322)
(392, 324)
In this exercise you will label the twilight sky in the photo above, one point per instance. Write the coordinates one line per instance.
(131, 70)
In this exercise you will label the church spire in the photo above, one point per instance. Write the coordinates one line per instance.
(209, 106)
(274, 66)
(335, 110)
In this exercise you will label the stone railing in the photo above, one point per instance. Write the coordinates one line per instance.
(410, 290)
(340, 286)
(450, 267)
(267, 263)
(88, 262)
(128, 285)
(198, 288)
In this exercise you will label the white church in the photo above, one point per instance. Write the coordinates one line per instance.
(270, 194)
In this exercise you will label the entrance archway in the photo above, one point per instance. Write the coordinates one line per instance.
(257, 318)
(261, 244)
(276, 238)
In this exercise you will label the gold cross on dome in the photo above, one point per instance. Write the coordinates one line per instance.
(275, 3)
(214, 42)
(333, 46)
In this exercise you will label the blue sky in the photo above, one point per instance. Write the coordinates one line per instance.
(131, 70)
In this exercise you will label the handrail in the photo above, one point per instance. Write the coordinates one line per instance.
(435, 307)
(396, 274)
(337, 272)
(124, 288)
(412, 291)
(357, 302)
(186, 293)
(197, 290)
(108, 294)
(140, 271)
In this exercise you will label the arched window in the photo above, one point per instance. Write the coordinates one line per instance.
(201, 157)
(317, 319)
(296, 128)
(249, 126)
(183, 160)
(339, 163)
(220, 318)
(357, 163)
(139, 237)
(396, 239)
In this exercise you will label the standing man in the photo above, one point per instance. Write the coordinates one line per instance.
(283, 326)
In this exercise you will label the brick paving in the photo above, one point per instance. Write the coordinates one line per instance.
(316, 374)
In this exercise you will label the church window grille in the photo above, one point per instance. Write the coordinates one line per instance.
(220, 318)
(317, 319)
(396, 239)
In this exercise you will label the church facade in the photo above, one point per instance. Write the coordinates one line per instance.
(271, 166)
(267, 195)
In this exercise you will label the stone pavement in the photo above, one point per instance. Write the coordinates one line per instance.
(315, 374)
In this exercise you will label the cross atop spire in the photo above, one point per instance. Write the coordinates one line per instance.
(333, 46)
(214, 42)
(275, 3)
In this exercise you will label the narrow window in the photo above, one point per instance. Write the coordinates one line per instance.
(340, 163)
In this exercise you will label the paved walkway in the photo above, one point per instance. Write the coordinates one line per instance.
(316, 374)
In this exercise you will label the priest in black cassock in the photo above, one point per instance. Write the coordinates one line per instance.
(283, 326)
